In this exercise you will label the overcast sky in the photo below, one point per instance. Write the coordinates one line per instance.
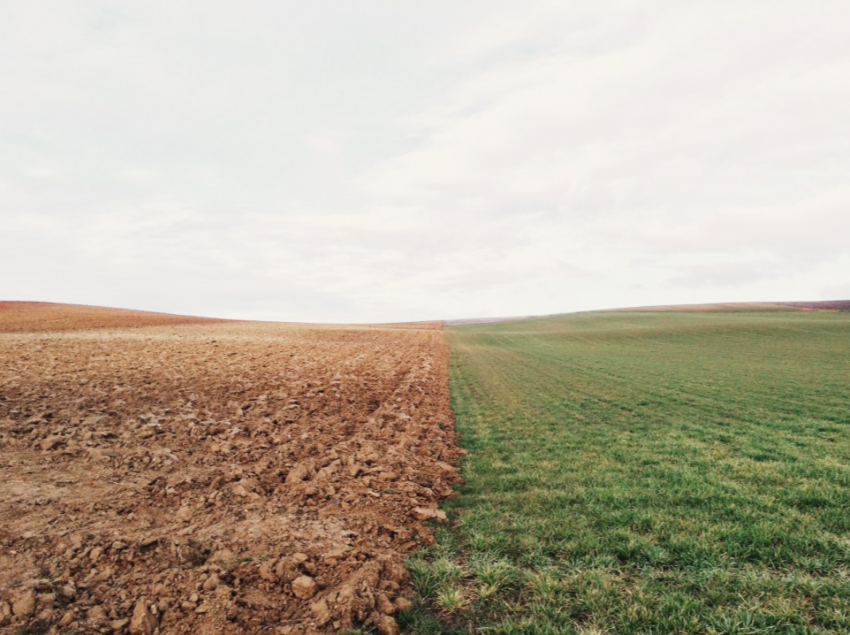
(384, 160)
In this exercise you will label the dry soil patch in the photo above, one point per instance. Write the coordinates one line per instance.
(217, 478)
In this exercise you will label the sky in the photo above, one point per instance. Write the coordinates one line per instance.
(379, 161)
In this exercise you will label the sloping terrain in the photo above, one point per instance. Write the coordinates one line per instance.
(30, 317)
(473, 321)
(825, 305)
(822, 305)
(217, 478)
(647, 472)
(718, 306)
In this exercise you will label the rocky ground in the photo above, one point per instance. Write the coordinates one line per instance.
(217, 477)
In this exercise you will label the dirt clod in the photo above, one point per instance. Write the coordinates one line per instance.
(304, 587)
(425, 513)
(23, 605)
(386, 625)
(143, 621)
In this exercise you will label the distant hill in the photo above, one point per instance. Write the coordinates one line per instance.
(30, 317)
(826, 305)
(471, 321)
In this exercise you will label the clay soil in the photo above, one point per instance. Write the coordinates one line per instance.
(215, 477)
(29, 317)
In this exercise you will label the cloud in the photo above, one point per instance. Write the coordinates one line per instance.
(326, 163)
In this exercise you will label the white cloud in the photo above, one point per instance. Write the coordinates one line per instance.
(337, 163)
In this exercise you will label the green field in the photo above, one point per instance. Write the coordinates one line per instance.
(676, 472)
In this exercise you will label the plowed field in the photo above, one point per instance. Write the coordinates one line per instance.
(217, 478)
(29, 317)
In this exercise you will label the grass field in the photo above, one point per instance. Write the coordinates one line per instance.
(647, 473)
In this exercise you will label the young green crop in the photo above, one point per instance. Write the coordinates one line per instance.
(647, 473)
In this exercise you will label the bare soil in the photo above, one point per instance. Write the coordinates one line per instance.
(229, 477)
(30, 317)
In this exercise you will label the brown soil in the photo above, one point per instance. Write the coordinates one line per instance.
(229, 477)
(31, 317)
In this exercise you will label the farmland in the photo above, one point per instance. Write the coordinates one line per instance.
(647, 472)
(200, 476)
